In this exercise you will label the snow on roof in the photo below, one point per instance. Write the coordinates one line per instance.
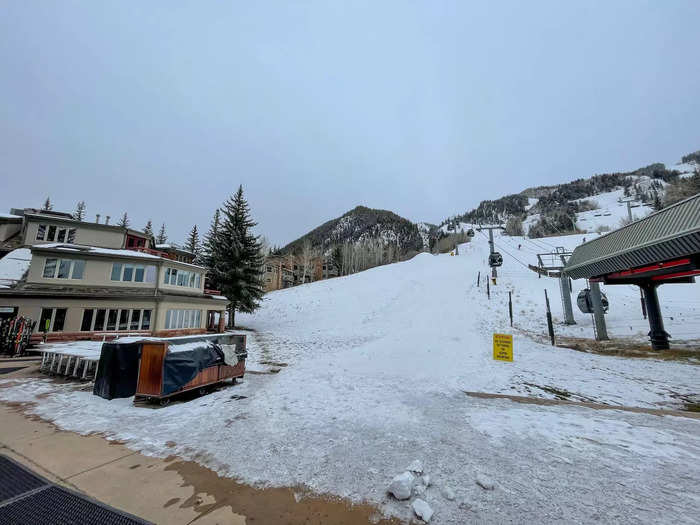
(13, 266)
(77, 248)
(9, 216)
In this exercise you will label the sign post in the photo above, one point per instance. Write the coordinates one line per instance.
(503, 347)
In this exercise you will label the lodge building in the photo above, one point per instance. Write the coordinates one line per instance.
(114, 285)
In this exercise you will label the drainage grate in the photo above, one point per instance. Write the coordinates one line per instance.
(15, 480)
(27, 499)
(9, 370)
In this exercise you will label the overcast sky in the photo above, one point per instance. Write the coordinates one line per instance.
(163, 108)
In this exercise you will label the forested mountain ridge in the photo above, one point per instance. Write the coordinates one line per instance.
(362, 225)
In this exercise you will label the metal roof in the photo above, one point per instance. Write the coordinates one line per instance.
(667, 234)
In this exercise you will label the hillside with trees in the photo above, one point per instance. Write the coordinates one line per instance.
(362, 225)
(557, 205)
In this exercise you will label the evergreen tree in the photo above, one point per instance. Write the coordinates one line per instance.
(162, 237)
(124, 222)
(235, 259)
(79, 213)
(205, 256)
(148, 230)
(47, 205)
(193, 242)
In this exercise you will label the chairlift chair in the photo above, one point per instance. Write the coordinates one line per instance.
(495, 259)
(585, 303)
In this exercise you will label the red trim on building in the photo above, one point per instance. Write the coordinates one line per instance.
(647, 269)
(676, 275)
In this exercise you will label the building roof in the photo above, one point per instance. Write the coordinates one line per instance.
(87, 224)
(14, 266)
(667, 234)
(25, 289)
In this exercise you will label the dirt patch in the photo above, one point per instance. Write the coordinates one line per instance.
(684, 351)
(271, 505)
(597, 406)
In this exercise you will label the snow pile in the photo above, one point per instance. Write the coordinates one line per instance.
(14, 266)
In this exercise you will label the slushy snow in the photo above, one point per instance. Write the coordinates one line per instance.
(377, 368)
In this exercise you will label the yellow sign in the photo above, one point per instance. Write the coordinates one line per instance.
(503, 347)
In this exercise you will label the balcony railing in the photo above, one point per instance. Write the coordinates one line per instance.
(157, 253)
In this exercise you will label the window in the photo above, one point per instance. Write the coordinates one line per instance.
(133, 272)
(124, 320)
(50, 268)
(135, 320)
(146, 320)
(128, 319)
(55, 233)
(100, 319)
(86, 325)
(52, 319)
(269, 269)
(78, 269)
(175, 319)
(64, 268)
(45, 320)
(112, 320)
(176, 277)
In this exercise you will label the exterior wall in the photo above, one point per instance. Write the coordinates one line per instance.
(31, 307)
(204, 306)
(85, 234)
(98, 271)
(8, 229)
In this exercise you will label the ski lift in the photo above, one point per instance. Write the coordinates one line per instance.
(495, 259)
(585, 303)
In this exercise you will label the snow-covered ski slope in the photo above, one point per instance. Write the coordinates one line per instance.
(376, 368)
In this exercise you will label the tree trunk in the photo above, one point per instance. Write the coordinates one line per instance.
(231, 317)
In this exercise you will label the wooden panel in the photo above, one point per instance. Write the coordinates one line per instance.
(226, 372)
(151, 369)
(204, 377)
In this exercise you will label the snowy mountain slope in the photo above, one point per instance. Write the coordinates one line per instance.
(377, 363)
(360, 225)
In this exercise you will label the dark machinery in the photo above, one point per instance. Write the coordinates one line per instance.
(470, 233)
(585, 303)
(495, 259)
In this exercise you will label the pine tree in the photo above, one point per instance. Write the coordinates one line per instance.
(192, 244)
(124, 222)
(205, 256)
(162, 237)
(47, 205)
(236, 260)
(148, 230)
(79, 213)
